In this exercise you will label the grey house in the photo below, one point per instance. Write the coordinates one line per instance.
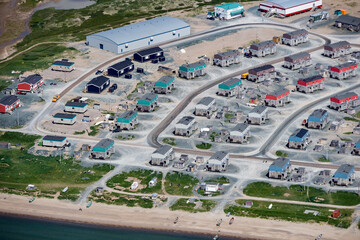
(278, 98)
(240, 133)
(205, 107)
(103, 149)
(344, 175)
(318, 119)
(54, 141)
(227, 58)
(218, 162)
(185, 126)
(258, 115)
(296, 61)
(127, 120)
(162, 156)
(192, 70)
(335, 50)
(164, 85)
(348, 22)
(280, 168)
(295, 37)
(263, 48)
(260, 74)
(229, 87)
(64, 118)
(147, 102)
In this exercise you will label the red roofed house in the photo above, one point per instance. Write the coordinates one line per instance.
(278, 98)
(310, 84)
(344, 101)
(9, 103)
(30, 83)
(343, 71)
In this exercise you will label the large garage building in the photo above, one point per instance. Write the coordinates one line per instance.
(289, 7)
(139, 35)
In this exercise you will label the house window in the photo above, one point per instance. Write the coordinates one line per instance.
(126, 45)
(151, 39)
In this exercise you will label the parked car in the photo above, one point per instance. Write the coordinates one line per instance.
(100, 71)
(21, 93)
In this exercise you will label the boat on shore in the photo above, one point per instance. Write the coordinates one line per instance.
(89, 204)
(231, 220)
(216, 237)
(31, 200)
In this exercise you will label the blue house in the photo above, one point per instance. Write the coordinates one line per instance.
(299, 139)
(279, 168)
(344, 176)
(318, 119)
(356, 150)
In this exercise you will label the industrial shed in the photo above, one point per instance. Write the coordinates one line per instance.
(98, 84)
(9, 103)
(76, 107)
(120, 68)
(63, 65)
(139, 35)
(289, 7)
(349, 22)
(64, 118)
(30, 83)
(54, 141)
(148, 54)
(229, 11)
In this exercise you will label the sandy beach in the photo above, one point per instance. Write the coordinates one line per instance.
(162, 219)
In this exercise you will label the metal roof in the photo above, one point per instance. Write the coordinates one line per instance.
(121, 65)
(344, 65)
(148, 96)
(262, 68)
(259, 109)
(287, 3)
(128, 114)
(227, 54)
(318, 113)
(312, 78)
(300, 55)
(32, 79)
(64, 115)
(192, 65)
(300, 133)
(63, 63)
(166, 79)
(149, 51)
(163, 149)
(295, 33)
(229, 6)
(186, 120)
(345, 95)
(280, 162)
(206, 101)
(219, 155)
(344, 171)
(280, 92)
(8, 100)
(241, 127)
(98, 81)
(348, 20)
(263, 44)
(76, 104)
(140, 30)
(54, 138)
(104, 143)
(231, 81)
(337, 45)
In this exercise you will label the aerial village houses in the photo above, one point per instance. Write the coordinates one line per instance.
(30, 83)
(289, 7)
(262, 73)
(63, 65)
(280, 168)
(335, 50)
(227, 58)
(278, 99)
(185, 126)
(54, 141)
(8, 104)
(139, 35)
(349, 22)
(127, 120)
(98, 84)
(344, 175)
(344, 101)
(240, 133)
(192, 70)
(64, 118)
(76, 107)
(318, 119)
(162, 156)
(103, 149)
(295, 37)
(300, 139)
(147, 102)
(218, 162)
(310, 84)
(263, 48)
(258, 115)
(343, 71)
(164, 85)
(149, 54)
(205, 107)
(229, 11)
(356, 150)
(229, 87)
(298, 60)
(120, 68)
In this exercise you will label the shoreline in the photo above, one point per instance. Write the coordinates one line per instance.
(161, 220)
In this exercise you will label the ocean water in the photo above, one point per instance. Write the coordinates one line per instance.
(19, 228)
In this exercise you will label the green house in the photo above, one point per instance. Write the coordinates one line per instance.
(165, 81)
(148, 99)
(104, 145)
(127, 117)
(230, 84)
(192, 66)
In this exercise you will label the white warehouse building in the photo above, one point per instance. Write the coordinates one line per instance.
(289, 7)
(139, 35)
(229, 11)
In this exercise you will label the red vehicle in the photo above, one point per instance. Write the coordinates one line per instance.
(21, 93)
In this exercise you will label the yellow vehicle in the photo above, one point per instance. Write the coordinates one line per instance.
(55, 98)
(244, 76)
(276, 39)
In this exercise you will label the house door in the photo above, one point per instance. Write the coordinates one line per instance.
(178, 34)
(101, 46)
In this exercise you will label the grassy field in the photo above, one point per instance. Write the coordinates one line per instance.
(121, 199)
(180, 184)
(144, 176)
(94, 130)
(183, 205)
(170, 141)
(4, 84)
(281, 154)
(290, 212)
(204, 146)
(223, 180)
(18, 139)
(299, 193)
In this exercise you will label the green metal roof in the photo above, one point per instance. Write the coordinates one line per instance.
(230, 84)
(192, 66)
(165, 81)
(147, 99)
(103, 145)
(127, 117)
(229, 6)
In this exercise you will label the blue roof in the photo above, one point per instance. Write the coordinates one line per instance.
(344, 171)
(279, 165)
(357, 145)
(229, 6)
(299, 135)
(140, 30)
(317, 116)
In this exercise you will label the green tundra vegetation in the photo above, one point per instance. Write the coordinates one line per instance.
(301, 193)
(177, 183)
(183, 204)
